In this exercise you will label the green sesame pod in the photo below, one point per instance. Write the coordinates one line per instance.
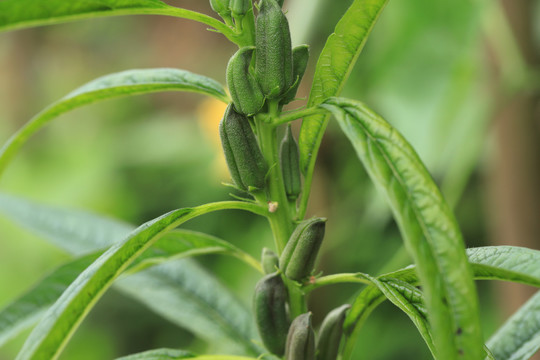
(239, 8)
(330, 333)
(221, 7)
(269, 261)
(242, 153)
(300, 60)
(245, 91)
(290, 165)
(280, 2)
(270, 306)
(273, 58)
(301, 339)
(300, 253)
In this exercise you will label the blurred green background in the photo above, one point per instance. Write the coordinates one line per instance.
(459, 79)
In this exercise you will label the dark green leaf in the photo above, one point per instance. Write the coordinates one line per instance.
(17, 14)
(429, 229)
(335, 63)
(129, 82)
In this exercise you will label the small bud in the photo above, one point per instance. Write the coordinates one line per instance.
(269, 261)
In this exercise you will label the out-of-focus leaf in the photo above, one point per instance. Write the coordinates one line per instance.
(429, 229)
(130, 82)
(27, 309)
(519, 337)
(159, 354)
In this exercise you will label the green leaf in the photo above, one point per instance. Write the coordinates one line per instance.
(178, 296)
(124, 83)
(335, 63)
(506, 263)
(159, 354)
(429, 229)
(52, 333)
(27, 309)
(18, 14)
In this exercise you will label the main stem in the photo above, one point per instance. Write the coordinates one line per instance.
(281, 219)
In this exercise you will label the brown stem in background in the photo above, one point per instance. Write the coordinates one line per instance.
(515, 179)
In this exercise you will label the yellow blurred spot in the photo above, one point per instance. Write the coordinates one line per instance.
(209, 113)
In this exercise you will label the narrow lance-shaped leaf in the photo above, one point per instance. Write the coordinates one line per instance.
(334, 65)
(171, 289)
(18, 14)
(124, 83)
(52, 333)
(429, 229)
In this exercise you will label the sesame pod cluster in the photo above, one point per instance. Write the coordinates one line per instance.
(330, 333)
(273, 62)
(270, 305)
(298, 257)
(244, 158)
(301, 339)
(245, 92)
(290, 165)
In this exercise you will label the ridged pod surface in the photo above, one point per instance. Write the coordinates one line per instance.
(300, 60)
(273, 58)
(301, 339)
(270, 306)
(330, 333)
(290, 165)
(245, 91)
(242, 153)
(300, 253)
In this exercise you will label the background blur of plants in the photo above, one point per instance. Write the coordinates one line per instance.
(461, 87)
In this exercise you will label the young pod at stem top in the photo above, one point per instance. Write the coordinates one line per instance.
(245, 91)
(290, 165)
(301, 339)
(270, 306)
(273, 58)
(330, 333)
(239, 8)
(300, 253)
(221, 7)
(244, 158)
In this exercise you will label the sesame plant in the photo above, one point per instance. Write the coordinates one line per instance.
(271, 178)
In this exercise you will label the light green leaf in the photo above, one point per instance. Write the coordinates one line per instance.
(18, 14)
(27, 309)
(59, 323)
(170, 289)
(519, 337)
(159, 354)
(334, 65)
(429, 229)
(124, 83)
